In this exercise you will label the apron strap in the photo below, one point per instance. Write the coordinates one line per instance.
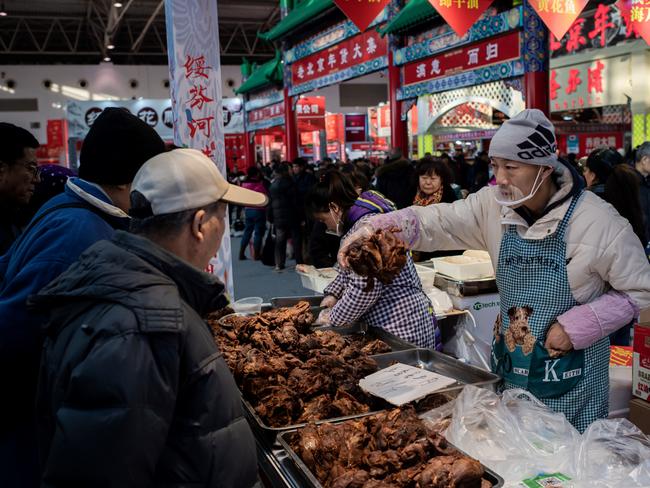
(562, 226)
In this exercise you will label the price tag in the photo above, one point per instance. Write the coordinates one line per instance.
(400, 383)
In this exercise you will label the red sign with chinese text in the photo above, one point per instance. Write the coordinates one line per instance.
(334, 127)
(640, 17)
(355, 50)
(484, 53)
(361, 12)
(265, 113)
(558, 15)
(310, 113)
(460, 14)
(355, 128)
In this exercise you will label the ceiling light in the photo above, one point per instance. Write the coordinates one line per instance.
(117, 4)
(110, 46)
(567, 118)
(3, 12)
(107, 59)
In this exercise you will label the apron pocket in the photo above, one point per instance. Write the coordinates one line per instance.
(553, 377)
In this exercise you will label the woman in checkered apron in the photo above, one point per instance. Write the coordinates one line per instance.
(400, 307)
(570, 269)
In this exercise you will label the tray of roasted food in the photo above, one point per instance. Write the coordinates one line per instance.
(390, 449)
(442, 364)
(290, 375)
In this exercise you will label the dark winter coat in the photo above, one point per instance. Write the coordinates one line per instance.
(283, 208)
(133, 391)
(396, 181)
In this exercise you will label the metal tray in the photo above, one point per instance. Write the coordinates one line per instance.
(466, 288)
(310, 480)
(463, 373)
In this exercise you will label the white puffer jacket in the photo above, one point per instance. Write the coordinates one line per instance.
(603, 252)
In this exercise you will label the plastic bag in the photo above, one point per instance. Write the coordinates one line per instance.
(323, 318)
(613, 453)
(519, 437)
(516, 435)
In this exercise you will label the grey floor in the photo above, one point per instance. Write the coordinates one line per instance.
(253, 279)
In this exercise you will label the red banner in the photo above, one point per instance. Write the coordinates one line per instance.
(355, 128)
(310, 112)
(334, 127)
(265, 113)
(484, 53)
(361, 12)
(460, 14)
(355, 50)
(558, 15)
(383, 121)
(639, 11)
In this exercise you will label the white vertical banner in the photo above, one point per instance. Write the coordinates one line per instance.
(195, 86)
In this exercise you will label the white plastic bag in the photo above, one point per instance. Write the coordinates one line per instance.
(517, 436)
(613, 453)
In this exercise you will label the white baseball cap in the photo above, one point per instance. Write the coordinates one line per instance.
(185, 179)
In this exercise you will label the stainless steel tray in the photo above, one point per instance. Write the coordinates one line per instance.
(309, 479)
(466, 288)
(463, 373)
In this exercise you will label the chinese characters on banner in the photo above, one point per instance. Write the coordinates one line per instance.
(355, 50)
(585, 143)
(310, 113)
(195, 85)
(558, 15)
(460, 14)
(356, 128)
(484, 53)
(266, 113)
(592, 84)
(606, 26)
(361, 12)
(640, 17)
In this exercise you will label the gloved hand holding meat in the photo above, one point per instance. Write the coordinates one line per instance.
(381, 256)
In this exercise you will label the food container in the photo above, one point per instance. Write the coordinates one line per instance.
(248, 305)
(313, 300)
(317, 279)
(465, 267)
(465, 288)
(309, 479)
(427, 276)
(437, 362)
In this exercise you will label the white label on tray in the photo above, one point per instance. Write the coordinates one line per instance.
(400, 383)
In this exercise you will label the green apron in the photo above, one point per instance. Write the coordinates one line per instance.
(534, 290)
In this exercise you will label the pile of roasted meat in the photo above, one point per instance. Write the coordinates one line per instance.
(392, 449)
(380, 256)
(292, 375)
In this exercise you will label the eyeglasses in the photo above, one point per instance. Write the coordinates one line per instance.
(33, 168)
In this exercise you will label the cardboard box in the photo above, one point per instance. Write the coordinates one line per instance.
(640, 414)
(641, 357)
(484, 309)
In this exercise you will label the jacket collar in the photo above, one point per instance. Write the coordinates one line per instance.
(202, 291)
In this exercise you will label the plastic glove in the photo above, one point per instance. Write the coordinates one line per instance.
(364, 231)
(323, 317)
(329, 301)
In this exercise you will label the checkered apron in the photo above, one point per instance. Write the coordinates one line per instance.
(532, 273)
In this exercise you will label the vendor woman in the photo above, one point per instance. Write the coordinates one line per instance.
(570, 269)
(400, 307)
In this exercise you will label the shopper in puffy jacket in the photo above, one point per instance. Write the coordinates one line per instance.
(255, 217)
(133, 390)
(569, 268)
(90, 209)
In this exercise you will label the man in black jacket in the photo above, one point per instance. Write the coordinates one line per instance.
(642, 166)
(133, 391)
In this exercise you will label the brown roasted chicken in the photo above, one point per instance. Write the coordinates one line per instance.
(392, 449)
(380, 256)
(290, 374)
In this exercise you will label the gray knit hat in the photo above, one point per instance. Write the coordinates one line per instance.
(528, 137)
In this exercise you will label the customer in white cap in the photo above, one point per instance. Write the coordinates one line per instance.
(133, 391)
(569, 268)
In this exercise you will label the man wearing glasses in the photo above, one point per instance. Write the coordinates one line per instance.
(18, 177)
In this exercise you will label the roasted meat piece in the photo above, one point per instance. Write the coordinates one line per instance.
(287, 336)
(380, 256)
(278, 407)
(345, 404)
(376, 346)
(351, 478)
(299, 316)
